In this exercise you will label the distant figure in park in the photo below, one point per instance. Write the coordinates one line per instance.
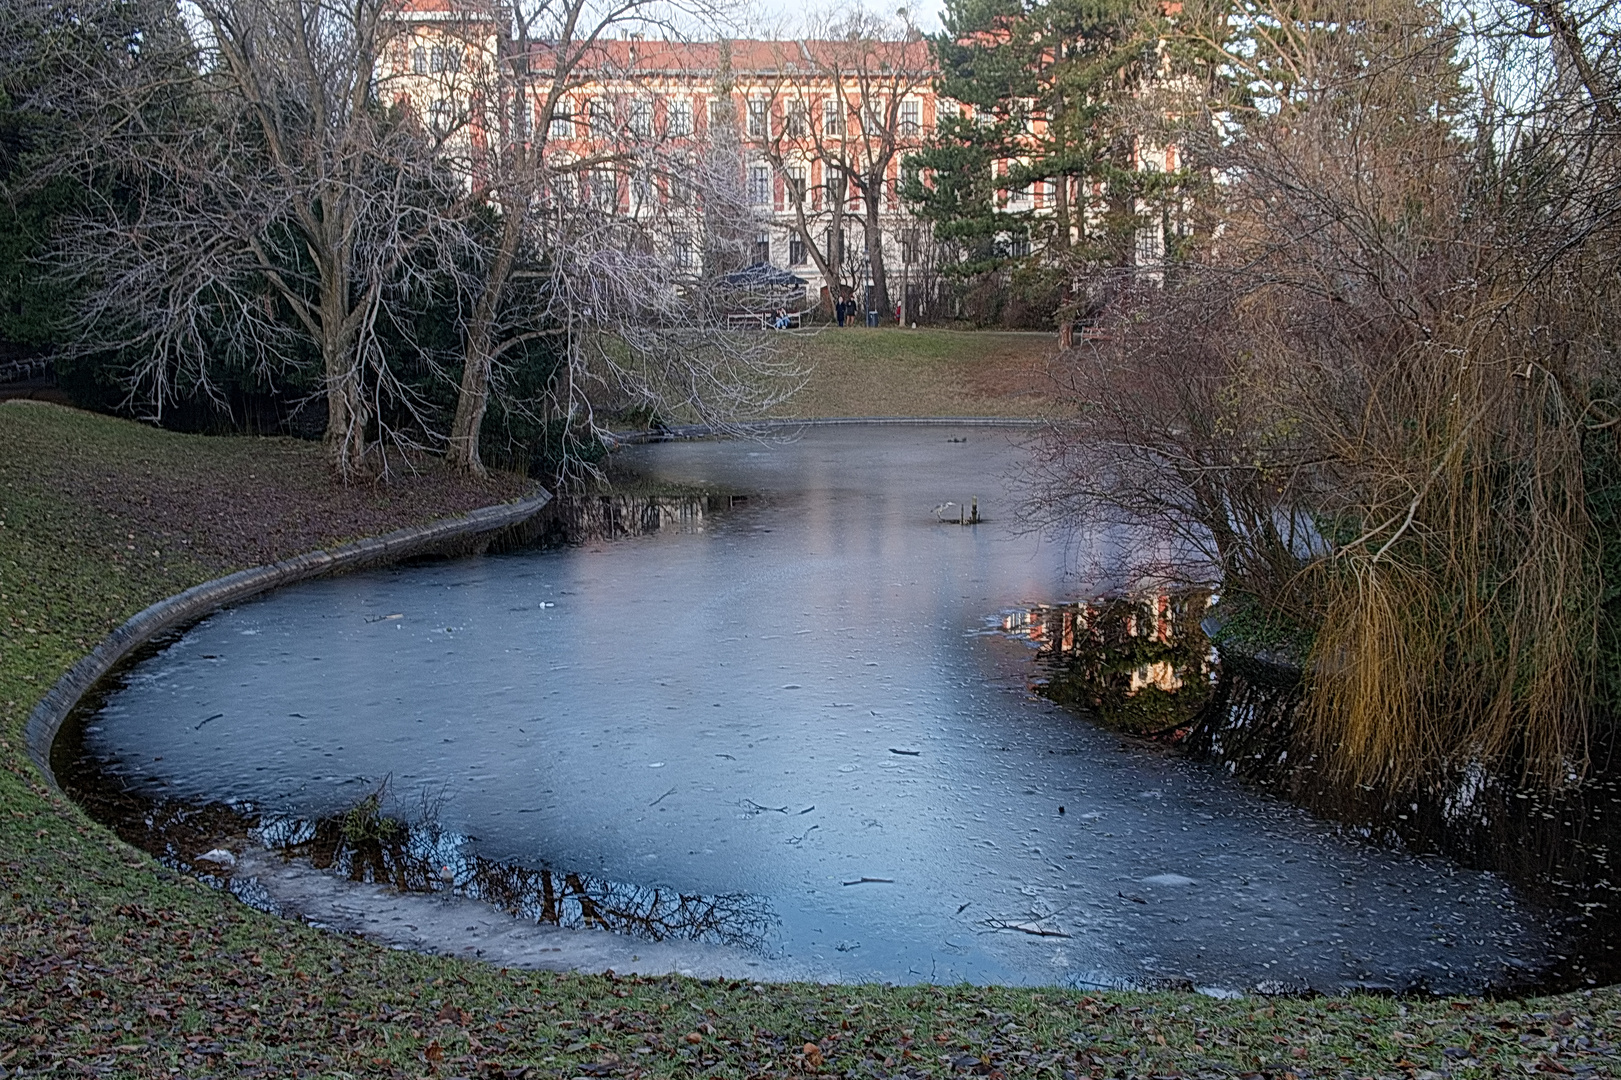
(782, 320)
(839, 311)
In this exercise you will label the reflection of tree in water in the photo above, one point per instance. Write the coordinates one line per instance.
(567, 899)
(1140, 663)
(580, 519)
(365, 846)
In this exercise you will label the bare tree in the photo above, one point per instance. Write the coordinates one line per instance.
(842, 101)
(322, 172)
(1378, 401)
(640, 328)
(504, 110)
(281, 206)
(581, 228)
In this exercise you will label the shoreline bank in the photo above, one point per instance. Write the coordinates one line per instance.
(116, 963)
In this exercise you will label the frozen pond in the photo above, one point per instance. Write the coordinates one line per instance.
(803, 699)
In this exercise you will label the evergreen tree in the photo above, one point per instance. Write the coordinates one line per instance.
(58, 62)
(31, 308)
(1056, 93)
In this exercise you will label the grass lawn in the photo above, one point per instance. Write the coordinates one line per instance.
(113, 965)
(899, 372)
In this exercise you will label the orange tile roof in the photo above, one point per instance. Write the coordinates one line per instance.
(745, 56)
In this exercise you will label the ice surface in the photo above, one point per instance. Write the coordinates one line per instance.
(798, 699)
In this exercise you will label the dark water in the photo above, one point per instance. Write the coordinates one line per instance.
(807, 699)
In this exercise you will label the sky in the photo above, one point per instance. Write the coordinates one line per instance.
(789, 16)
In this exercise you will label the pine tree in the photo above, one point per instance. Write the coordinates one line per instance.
(1053, 92)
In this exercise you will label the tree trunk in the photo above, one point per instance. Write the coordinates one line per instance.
(875, 255)
(826, 261)
(346, 416)
(835, 243)
(1066, 323)
(473, 397)
(472, 401)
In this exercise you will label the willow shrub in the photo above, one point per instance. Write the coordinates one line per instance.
(1370, 403)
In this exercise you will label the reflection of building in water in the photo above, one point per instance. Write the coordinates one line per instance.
(1140, 663)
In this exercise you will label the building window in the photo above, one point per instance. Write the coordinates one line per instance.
(562, 125)
(911, 117)
(909, 246)
(760, 185)
(439, 115)
(1150, 247)
(762, 248)
(836, 185)
(796, 182)
(604, 189)
(680, 180)
(641, 118)
(945, 109)
(1018, 246)
(678, 119)
(796, 251)
(419, 61)
(565, 188)
(832, 117)
(642, 190)
(445, 59)
(759, 118)
(601, 118)
(835, 246)
(681, 250)
(794, 124)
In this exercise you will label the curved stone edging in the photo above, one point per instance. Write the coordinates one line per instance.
(48, 714)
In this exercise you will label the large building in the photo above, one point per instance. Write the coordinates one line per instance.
(814, 134)
(819, 130)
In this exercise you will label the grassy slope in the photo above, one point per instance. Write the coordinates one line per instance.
(110, 962)
(899, 372)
